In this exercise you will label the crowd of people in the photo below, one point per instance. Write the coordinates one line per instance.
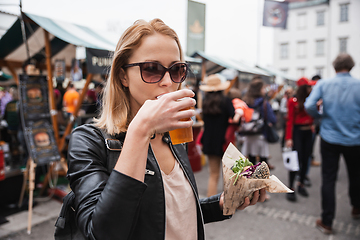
(328, 107)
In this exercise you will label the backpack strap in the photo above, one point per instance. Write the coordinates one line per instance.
(113, 146)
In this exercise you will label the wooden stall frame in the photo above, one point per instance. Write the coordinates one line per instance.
(53, 111)
(232, 82)
(28, 182)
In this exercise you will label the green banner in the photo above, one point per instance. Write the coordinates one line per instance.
(195, 27)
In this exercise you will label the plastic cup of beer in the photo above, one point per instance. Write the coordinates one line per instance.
(182, 135)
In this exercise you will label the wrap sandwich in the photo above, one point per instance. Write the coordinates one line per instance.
(242, 179)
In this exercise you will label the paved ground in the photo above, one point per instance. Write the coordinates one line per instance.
(275, 219)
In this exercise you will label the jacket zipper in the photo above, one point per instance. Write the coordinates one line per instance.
(149, 172)
(197, 198)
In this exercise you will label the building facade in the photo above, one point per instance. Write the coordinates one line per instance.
(317, 31)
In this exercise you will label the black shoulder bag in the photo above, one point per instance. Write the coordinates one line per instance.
(66, 226)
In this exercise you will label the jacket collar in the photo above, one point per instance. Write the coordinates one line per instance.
(343, 74)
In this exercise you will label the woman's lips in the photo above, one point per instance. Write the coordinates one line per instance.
(159, 96)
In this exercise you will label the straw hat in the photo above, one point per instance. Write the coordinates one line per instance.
(213, 83)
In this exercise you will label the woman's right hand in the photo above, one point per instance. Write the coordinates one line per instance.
(154, 116)
(289, 143)
(166, 112)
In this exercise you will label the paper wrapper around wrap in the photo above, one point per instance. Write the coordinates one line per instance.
(234, 195)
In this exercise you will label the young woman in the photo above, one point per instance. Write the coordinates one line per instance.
(299, 130)
(151, 192)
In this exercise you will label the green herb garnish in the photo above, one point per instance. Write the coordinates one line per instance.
(239, 166)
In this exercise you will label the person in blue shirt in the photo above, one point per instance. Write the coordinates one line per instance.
(337, 102)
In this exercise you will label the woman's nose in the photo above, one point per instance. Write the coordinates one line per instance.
(166, 80)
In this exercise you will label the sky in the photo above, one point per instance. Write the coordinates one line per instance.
(233, 27)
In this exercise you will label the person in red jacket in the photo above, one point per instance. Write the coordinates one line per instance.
(299, 129)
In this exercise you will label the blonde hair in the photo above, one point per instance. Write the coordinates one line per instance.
(115, 110)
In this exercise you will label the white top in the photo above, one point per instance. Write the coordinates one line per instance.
(255, 145)
(181, 219)
(283, 105)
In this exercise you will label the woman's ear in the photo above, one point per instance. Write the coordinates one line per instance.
(123, 78)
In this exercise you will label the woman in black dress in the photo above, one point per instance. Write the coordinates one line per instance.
(217, 109)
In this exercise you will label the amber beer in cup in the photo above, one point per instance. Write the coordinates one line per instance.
(182, 135)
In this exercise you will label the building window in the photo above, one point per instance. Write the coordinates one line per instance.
(284, 47)
(320, 46)
(343, 45)
(301, 49)
(284, 70)
(301, 21)
(301, 72)
(319, 71)
(320, 18)
(344, 12)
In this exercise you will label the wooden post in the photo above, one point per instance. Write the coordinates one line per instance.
(31, 192)
(277, 91)
(29, 176)
(13, 72)
(231, 84)
(74, 115)
(25, 178)
(53, 110)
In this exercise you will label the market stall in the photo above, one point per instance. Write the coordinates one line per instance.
(47, 42)
(44, 43)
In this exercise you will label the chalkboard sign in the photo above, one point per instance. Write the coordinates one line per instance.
(36, 119)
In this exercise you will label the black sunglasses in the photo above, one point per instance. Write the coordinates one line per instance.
(153, 72)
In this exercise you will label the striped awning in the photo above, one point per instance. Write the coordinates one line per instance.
(64, 39)
(215, 64)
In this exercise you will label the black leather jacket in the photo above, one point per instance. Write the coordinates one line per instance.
(111, 205)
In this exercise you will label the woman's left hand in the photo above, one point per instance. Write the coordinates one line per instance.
(259, 196)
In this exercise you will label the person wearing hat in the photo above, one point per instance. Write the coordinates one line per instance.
(216, 110)
(299, 130)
